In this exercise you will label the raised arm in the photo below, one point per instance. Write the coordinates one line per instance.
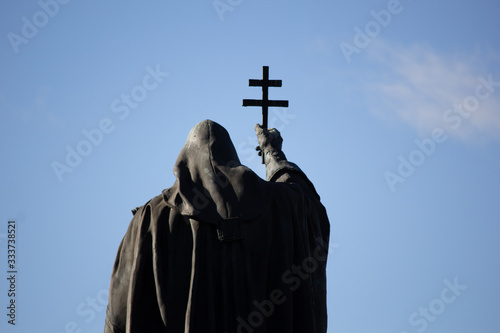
(278, 168)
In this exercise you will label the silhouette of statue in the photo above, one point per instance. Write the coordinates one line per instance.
(223, 250)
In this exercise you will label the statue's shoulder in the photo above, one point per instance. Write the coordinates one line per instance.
(154, 203)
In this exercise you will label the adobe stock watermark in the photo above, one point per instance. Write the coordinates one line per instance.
(30, 27)
(95, 136)
(223, 6)
(420, 319)
(292, 278)
(372, 29)
(87, 311)
(279, 119)
(426, 147)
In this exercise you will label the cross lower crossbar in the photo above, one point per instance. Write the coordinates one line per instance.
(259, 102)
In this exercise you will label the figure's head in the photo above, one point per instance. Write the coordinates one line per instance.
(211, 183)
(209, 140)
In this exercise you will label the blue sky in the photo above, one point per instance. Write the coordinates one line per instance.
(394, 115)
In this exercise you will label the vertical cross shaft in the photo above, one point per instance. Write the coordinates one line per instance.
(265, 95)
(265, 103)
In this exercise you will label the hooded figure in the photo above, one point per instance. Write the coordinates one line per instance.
(223, 250)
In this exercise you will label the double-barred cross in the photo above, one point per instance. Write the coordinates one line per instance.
(265, 103)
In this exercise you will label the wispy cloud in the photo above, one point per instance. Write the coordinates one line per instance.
(42, 101)
(320, 45)
(37, 107)
(420, 85)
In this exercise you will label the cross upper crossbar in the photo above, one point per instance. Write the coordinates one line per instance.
(270, 83)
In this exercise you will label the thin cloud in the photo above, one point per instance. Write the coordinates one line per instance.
(320, 45)
(42, 103)
(419, 86)
(36, 108)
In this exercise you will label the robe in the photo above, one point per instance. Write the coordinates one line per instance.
(223, 250)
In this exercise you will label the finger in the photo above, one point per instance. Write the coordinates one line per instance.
(274, 132)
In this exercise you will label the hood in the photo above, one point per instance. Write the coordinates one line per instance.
(211, 184)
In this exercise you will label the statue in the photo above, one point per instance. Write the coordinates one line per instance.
(223, 250)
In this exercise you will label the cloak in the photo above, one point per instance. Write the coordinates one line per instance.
(223, 250)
